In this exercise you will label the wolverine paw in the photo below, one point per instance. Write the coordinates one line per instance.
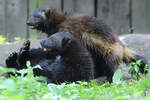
(26, 45)
(23, 54)
(11, 60)
(25, 48)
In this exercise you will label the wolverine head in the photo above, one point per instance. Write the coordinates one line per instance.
(60, 42)
(42, 19)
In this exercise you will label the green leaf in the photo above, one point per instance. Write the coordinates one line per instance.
(55, 89)
(146, 68)
(37, 66)
(28, 64)
(6, 70)
(131, 70)
(10, 84)
(117, 76)
(136, 69)
(138, 62)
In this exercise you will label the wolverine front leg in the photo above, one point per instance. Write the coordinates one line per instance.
(23, 55)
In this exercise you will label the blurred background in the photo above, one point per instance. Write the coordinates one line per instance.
(124, 16)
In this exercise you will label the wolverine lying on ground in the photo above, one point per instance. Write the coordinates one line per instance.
(74, 64)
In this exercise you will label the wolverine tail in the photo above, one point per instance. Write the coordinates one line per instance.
(130, 56)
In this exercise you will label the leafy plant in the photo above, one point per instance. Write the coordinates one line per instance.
(28, 87)
(135, 69)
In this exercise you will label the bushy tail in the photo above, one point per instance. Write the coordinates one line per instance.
(130, 56)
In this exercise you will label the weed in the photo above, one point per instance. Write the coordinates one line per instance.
(135, 69)
(28, 87)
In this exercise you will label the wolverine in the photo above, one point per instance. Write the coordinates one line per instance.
(106, 49)
(73, 64)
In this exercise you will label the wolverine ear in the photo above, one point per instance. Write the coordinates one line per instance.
(47, 12)
(66, 41)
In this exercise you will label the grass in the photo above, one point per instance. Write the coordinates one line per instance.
(30, 88)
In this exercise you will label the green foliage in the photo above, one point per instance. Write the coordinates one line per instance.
(135, 69)
(34, 37)
(22, 87)
(28, 87)
(6, 70)
(19, 39)
(117, 76)
(3, 40)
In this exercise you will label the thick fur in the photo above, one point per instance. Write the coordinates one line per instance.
(105, 47)
(74, 64)
(35, 56)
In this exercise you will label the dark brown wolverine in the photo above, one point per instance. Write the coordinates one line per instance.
(106, 49)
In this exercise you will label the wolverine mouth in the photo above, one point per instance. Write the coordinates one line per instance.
(33, 26)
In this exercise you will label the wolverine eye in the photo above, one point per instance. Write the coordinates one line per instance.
(40, 15)
(37, 16)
